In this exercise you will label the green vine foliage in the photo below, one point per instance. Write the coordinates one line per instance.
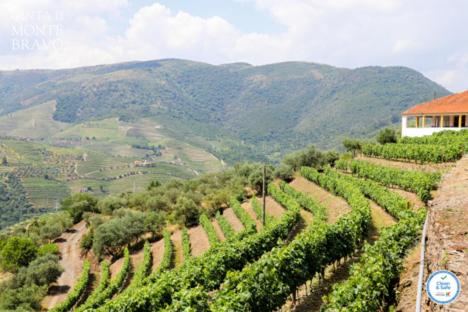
(266, 284)
(77, 292)
(103, 282)
(145, 267)
(242, 215)
(168, 252)
(209, 229)
(421, 153)
(414, 181)
(307, 202)
(115, 285)
(186, 247)
(225, 226)
(258, 209)
(207, 271)
(439, 138)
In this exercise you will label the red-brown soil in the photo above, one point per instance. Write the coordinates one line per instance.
(273, 208)
(336, 205)
(157, 250)
(233, 220)
(218, 230)
(408, 165)
(248, 207)
(198, 240)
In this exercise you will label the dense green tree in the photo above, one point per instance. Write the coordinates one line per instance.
(154, 223)
(284, 172)
(108, 204)
(17, 252)
(26, 298)
(352, 146)
(79, 203)
(186, 211)
(41, 271)
(387, 135)
(48, 249)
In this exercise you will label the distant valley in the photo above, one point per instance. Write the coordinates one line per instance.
(115, 128)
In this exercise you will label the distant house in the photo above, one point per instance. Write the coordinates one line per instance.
(445, 113)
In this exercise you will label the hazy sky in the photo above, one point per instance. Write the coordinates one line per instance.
(428, 35)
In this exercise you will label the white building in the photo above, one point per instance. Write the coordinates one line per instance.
(446, 113)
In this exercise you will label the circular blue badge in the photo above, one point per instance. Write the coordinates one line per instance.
(443, 287)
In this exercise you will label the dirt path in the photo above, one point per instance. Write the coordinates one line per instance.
(444, 167)
(447, 235)
(198, 240)
(233, 220)
(177, 243)
(218, 230)
(72, 263)
(336, 205)
(157, 249)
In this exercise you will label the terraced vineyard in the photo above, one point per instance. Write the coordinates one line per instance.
(334, 240)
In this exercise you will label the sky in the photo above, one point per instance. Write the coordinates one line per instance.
(430, 36)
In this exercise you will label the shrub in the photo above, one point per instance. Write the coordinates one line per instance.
(41, 271)
(17, 252)
(77, 204)
(48, 249)
(386, 135)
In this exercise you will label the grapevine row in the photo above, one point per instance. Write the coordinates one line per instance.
(377, 270)
(186, 247)
(392, 202)
(417, 182)
(145, 267)
(209, 230)
(227, 229)
(103, 283)
(380, 263)
(78, 290)
(422, 153)
(241, 214)
(266, 284)
(307, 202)
(441, 138)
(208, 270)
(114, 287)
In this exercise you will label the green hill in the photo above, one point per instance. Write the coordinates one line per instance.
(235, 111)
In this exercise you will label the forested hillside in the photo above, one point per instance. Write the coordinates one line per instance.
(254, 110)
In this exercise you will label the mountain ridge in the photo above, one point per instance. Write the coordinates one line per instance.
(274, 107)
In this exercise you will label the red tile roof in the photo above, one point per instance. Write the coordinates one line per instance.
(451, 104)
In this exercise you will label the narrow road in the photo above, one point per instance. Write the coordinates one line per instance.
(71, 262)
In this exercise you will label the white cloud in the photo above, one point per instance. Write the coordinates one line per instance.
(427, 35)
